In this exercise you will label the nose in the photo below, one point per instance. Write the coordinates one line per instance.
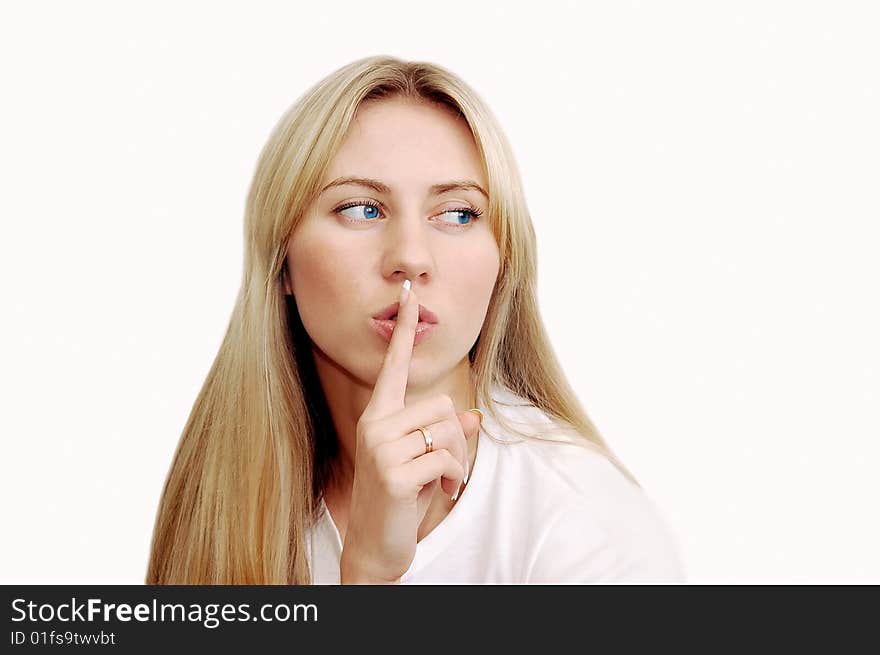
(407, 251)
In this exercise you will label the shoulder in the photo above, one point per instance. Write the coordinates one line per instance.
(594, 523)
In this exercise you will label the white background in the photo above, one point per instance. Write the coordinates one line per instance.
(703, 179)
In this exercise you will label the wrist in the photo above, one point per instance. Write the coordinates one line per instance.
(352, 573)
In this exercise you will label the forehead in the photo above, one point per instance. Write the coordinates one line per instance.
(406, 142)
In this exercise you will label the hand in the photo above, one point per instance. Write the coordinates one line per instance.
(394, 479)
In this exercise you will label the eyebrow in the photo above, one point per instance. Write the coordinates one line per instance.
(434, 189)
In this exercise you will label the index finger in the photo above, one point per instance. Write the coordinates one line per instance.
(390, 389)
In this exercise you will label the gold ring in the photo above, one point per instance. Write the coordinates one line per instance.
(429, 442)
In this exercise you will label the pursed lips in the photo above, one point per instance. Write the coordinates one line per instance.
(390, 313)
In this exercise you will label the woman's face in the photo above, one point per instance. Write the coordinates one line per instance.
(346, 264)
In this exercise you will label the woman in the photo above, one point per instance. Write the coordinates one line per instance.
(388, 292)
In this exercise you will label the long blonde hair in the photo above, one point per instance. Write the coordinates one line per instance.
(252, 461)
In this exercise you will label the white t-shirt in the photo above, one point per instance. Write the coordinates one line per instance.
(531, 513)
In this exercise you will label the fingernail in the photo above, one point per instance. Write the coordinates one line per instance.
(467, 466)
(404, 291)
(456, 494)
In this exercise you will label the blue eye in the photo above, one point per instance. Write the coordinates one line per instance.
(473, 214)
(371, 211)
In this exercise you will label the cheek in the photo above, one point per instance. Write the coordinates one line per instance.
(322, 273)
(476, 278)
(473, 286)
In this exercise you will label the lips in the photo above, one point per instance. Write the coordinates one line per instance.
(390, 312)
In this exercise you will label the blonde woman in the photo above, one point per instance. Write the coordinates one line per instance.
(388, 292)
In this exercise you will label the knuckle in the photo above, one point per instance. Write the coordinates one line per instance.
(395, 483)
(366, 431)
(456, 463)
(446, 403)
(453, 437)
(381, 456)
(456, 432)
